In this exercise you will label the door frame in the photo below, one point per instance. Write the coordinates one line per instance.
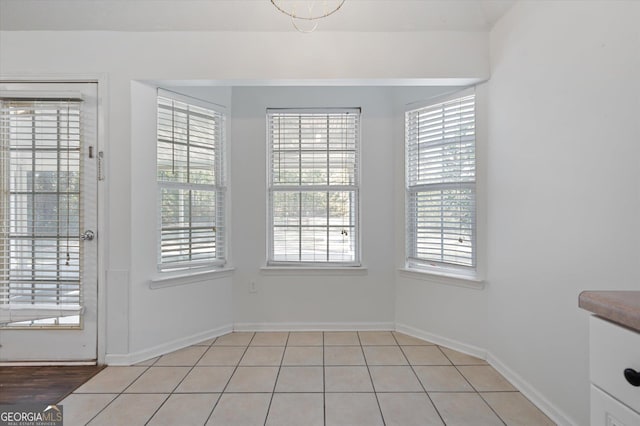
(102, 185)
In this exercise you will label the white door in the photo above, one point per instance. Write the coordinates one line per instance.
(48, 216)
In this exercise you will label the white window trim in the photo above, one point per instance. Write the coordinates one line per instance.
(443, 273)
(296, 270)
(173, 279)
(441, 277)
(181, 273)
(314, 268)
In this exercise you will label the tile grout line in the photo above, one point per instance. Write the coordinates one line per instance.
(324, 384)
(420, 381)
(275, 383)
(78, 386)
(491, 408)
(473, 387)
(230, 377)
(515, 391)
(121, 392)
(182, 380)
(375, 392)
(288, 341)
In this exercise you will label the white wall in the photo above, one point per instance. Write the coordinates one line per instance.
(444, 310)
(139, 319)
(563, 179)
(330, 300)
(561, 199)
(313, 300)
(561, 173)
(178, 312)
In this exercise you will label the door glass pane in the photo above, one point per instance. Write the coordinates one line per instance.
(41, 215)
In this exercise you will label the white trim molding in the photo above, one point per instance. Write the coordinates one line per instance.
(165, 348)
(532, 394)
(314, 326)
(183, 278)
(525, 388)
(443, 341)
(442, 278)
(313, 271)
(555, 414)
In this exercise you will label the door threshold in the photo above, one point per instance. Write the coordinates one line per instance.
(44, 363)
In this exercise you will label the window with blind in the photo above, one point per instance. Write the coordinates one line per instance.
(40, 214)
(441, 185)
(191, 183)
(313, 186)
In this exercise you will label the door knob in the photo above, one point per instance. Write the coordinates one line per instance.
(632, 376)
(87, 236)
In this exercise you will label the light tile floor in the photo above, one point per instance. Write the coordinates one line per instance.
(304, 379)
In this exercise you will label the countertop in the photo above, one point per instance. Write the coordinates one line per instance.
(622, 307)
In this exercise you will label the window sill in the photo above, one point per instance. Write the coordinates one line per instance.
(313, 270)
(185, 277)
(446, 278)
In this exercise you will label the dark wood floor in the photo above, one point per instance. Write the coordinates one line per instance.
(47, 385)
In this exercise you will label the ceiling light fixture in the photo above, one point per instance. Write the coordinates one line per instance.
(308, 11)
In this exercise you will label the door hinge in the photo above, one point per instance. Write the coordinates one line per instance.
(100, 165)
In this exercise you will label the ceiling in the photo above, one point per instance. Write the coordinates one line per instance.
(246, 15)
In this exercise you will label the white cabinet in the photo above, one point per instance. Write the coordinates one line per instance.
(610, 412)
(613, 349)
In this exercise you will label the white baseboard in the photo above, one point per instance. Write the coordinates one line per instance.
(313, 326)
(522, 385)
(145, 354)
(443, 341)
(556, 415)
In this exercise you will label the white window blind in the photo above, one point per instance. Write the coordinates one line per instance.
(191, 183)
(313, 186)
(40, 214)
(441, 184)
